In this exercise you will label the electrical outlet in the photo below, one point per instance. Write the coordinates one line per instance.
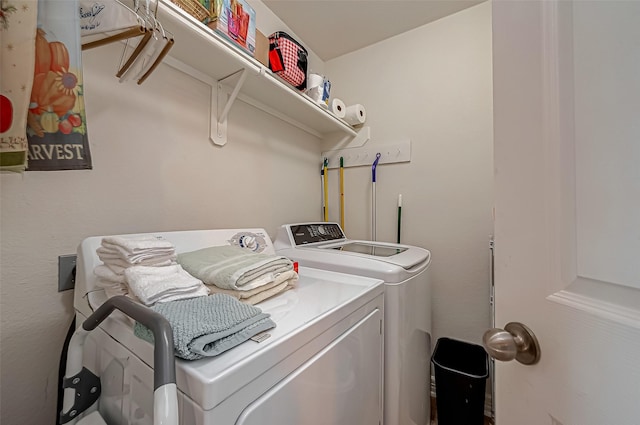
(66, 272)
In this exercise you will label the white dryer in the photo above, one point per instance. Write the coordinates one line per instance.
(407, 305)
(322, 363)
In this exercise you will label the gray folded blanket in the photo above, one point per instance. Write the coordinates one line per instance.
(207, 326)
(231, 267)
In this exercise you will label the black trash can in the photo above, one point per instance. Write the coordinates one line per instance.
(461, 370)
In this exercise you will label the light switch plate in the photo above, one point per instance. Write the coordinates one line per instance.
(66, 272)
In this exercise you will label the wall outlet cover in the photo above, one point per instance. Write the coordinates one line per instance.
(66, 272)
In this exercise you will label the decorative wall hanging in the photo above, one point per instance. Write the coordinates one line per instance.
(56, 121)
(17, 44)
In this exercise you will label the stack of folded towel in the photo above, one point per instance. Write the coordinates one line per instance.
(121, 252)
(162, 284)
(144, 268)
(248, 276)
(208, 326)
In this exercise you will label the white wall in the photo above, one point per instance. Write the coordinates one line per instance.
(432, 85)
(154, 169)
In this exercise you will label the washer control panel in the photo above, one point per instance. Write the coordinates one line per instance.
(307, 233)
(249, 240)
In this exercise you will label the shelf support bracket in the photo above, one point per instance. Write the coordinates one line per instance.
(341, 141)
(225, 101)
(203, 78)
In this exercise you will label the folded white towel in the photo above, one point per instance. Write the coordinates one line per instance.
(116, 269)
(121, 261)
(105, 273)
(111, 289)
(199, 292)
(115, 251)
(158, 284)
(119, 270)
(136, 244)
(283, 282)
(148, 257)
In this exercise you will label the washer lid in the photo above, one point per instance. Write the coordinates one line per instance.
(298, 240)
(404, 256)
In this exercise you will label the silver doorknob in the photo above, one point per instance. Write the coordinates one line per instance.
(516, 341)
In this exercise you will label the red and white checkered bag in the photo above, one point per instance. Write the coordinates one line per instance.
(288, 59)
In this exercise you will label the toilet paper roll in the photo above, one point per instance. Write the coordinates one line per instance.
(355, 114)
(338, 107)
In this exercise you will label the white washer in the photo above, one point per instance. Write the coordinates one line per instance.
(322, 364)
(407, 306)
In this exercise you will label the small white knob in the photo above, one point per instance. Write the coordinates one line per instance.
(249, 242)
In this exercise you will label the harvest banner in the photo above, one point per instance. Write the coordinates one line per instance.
(56, 122)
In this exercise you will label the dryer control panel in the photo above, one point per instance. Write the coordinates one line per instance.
(307, 233)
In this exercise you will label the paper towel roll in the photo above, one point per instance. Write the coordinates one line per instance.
(355, 114)
(315, 93)
(338, 107)
(315, 80)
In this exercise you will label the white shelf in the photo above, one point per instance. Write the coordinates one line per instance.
(208, 53)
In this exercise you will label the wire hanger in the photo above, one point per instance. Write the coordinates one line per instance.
(151, 57)
(146, 41)
(168, 44)
(151, 24)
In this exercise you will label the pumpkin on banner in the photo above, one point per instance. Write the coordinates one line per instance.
(56, 114)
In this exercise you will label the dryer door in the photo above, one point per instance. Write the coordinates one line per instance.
(342, 384)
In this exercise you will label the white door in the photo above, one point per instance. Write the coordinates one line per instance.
(567, 211)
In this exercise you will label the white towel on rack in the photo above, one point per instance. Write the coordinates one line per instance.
(162, 284)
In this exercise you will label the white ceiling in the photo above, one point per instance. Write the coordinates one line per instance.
(332, 28)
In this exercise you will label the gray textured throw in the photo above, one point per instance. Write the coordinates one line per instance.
(208, 326)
